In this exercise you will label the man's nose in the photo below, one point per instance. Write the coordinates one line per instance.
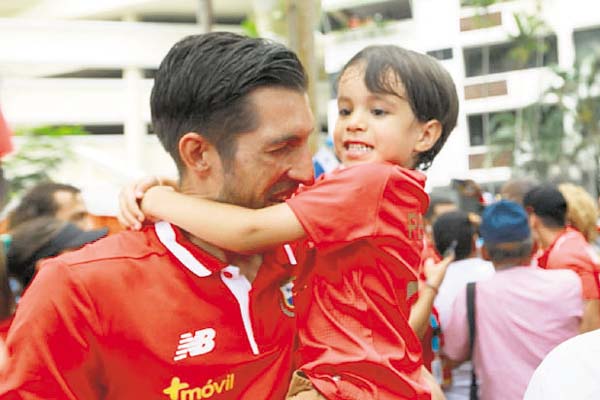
(302, 170)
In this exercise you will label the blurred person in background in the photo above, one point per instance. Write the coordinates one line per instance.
(516, 188)
(40, 238)
(7, 306)
(582, 211)
(521, 312)
(563, 247)
(438, 205)
(58, 200)
(7, 301)
(430, 334)
(466, 267)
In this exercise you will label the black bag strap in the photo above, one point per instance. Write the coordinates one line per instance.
(473, 393)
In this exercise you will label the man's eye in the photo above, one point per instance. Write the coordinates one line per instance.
(280, 149)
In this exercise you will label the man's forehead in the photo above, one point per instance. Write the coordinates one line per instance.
(65, 197)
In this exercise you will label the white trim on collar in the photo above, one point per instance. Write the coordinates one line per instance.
(166, 234)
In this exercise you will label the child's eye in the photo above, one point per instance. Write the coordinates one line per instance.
(344, 112)
(378, 112)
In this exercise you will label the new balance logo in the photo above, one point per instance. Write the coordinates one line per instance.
(201, 342)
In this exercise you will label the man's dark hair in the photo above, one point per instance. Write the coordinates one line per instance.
(26, 240)
(39, 201)
(437, 200)
(430, 90)
(450, 226)
(548, 204)
(203, 83)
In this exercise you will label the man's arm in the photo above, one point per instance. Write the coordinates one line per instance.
(456, 332)
(590, 319)
(49, 349)
(230, 227)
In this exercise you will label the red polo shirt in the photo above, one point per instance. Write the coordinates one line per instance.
(147, 315)
(359, 270)
(571, 251)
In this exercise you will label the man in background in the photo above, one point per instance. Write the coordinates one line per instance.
(51, 199)
(521, 313)
(562, 247)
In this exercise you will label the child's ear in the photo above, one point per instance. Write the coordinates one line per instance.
(430, 133)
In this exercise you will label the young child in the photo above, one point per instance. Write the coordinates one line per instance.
(360, 227)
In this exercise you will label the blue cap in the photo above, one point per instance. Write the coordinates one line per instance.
(504, 222)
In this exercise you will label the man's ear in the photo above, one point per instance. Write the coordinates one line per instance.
(533, 221)
(197, 153)
(430, 133)
(485, 254)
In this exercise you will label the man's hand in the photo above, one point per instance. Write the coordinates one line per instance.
(130, 213)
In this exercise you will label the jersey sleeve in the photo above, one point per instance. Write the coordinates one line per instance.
(584, 263)
(51, 353)
(362, 201)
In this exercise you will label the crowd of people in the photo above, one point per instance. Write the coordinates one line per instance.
(249, 279)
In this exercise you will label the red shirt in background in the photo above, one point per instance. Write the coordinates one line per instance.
(571, 251)
(5, 137)
(5, 326)
(365, 238)
(148, 315)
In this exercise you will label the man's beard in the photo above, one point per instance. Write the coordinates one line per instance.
(233, 193)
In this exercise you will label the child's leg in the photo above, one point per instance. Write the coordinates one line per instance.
(302, 389)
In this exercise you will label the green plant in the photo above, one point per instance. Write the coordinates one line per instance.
(40, 153)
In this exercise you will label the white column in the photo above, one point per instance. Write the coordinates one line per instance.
(565, 46)
(135, 128)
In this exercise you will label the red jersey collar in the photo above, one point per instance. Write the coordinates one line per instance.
(197, 261)
(542, 261)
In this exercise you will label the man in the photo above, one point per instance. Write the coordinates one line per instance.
(522, 312)
(158, 314)
(562, 247)
(466, 267)
(515, 189)
(51, 199)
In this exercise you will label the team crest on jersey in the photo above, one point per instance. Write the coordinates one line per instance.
(286, 300)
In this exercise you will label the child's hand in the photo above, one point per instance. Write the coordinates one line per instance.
(130, 213)
(435, 273)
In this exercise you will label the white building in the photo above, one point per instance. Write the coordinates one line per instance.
(90, 63)
(473, 44)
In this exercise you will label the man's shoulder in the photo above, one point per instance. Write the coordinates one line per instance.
(126, 245)
(572, 249)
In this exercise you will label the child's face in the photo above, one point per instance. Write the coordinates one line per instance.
(374, 127)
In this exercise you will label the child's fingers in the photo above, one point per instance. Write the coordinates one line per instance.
(130, 213)
(126, 217)
(144, 184)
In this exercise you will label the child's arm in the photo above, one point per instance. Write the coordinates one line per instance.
(230, 227)
(421, 310)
